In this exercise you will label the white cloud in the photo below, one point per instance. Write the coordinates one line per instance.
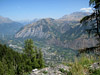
(86, 9)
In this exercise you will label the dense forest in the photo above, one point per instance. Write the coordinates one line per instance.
(14, 63)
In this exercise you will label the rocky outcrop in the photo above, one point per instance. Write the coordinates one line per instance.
(63, 70)
(33, 32)
(51, 70)
(95, 65)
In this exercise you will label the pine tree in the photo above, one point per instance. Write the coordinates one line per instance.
(32, 52)
(1, 68)
(29, 46)
(40, 61)
(93, 22)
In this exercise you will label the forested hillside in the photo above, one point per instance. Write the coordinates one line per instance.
(14, 63)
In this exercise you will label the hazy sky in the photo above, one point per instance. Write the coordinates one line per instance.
(30, 9)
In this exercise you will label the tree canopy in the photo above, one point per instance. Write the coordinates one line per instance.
(93, 22)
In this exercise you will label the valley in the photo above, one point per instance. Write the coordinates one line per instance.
(49, 37)
(59, 39)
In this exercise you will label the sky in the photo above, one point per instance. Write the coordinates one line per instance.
(31, 9)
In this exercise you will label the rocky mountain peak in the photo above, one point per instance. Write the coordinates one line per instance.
(39, 29)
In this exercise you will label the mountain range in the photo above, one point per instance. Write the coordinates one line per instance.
(59, 39)
(66, 31)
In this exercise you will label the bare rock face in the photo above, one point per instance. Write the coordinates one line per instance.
(95, 65)
(32, 32)
(40, 29)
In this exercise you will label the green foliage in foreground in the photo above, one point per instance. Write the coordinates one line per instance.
(81, 66)
(14, 63)
(95, 72)
(62, 70)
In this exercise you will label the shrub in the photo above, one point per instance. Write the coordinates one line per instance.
(45, 72)
(95, 72)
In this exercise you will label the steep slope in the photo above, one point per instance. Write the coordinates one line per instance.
(39, 29)
(8, 27)
(42, 29)
(45, 28)
(65, 32)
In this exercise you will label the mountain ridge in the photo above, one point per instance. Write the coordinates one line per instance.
(59, 32)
